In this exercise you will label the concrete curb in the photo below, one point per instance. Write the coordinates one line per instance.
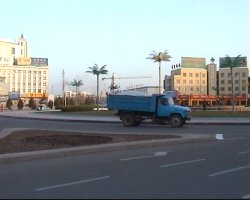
(203, 122)
(55, 153)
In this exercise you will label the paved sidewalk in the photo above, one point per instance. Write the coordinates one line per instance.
(58, 116)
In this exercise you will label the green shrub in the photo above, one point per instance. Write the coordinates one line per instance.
(50, 104)
(32, 103)
(77, 108)
(9, 104)
(20, 104)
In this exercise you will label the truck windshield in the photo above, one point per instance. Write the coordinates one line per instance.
(170, 101)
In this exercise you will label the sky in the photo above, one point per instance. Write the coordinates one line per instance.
(76, 34)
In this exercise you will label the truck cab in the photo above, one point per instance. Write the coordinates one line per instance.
(168, 111)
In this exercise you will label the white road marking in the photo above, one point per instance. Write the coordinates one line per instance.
(229, 171)
(156, 154)
(246, 196)
(239, 138)
(182, 163)
(72, 183)
(244, 152)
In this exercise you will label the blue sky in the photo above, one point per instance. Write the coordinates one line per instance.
(76, 34)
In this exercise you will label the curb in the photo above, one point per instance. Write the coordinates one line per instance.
(63, 152)
(118, 121)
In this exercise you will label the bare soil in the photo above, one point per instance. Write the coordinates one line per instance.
(36, 140)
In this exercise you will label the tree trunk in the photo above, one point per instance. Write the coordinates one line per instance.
(159, 77)
(97, 95)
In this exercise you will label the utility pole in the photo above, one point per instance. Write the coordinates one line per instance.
(64, 96)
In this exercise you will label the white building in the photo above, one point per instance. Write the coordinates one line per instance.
(26, 75)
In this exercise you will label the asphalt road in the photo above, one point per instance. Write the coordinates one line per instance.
(117, 127)
(219, 169)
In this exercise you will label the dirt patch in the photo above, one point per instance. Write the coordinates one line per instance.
(35, 140)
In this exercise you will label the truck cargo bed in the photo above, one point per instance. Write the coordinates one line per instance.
(129, 102)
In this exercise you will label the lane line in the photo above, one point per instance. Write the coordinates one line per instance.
(239, 138)
(246, 196)
(156, 154)
(244, 152)
(72, 183)
(182, 163)
(229, 171)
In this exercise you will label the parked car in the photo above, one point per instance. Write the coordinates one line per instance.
(41, 107)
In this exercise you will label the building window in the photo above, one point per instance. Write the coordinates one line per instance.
(196, 75)
(222, 75)
(243, 74)
(236, 89)
(236, 81)
(184, 75)
(184, 81)
(222, 89)
(222, 82)
(229, 89)
(190, 75)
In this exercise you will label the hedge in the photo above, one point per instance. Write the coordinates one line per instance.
(78, 108)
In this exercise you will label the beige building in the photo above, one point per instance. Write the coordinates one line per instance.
(240, 81)
(189, 81)
(189, 77)
(197, 82)
(24, 74)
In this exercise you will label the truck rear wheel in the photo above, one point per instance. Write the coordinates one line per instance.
(128, 119)
(176, 121)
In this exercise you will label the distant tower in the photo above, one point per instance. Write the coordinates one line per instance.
(22, 47)
(212, 86)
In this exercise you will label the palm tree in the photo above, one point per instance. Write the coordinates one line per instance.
(95, 70)
(77, 84)
(159, 57)
(231, 62)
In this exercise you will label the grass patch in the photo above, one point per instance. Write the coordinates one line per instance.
(220, 114)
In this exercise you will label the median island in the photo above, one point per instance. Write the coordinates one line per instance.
(37, 140)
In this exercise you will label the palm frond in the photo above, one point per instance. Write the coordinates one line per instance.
(159, 57)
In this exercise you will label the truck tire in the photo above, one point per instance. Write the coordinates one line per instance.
(128, 119)
(176, 121)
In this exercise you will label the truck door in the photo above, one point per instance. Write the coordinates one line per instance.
(163, 107)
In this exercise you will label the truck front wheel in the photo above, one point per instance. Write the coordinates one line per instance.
(128, 119)
(176, 121)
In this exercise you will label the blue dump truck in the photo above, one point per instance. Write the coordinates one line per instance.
(160, 108)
